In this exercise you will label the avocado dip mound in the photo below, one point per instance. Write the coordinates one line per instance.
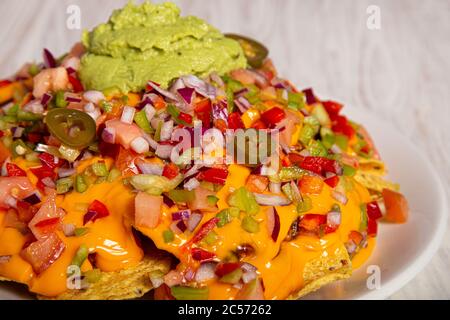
(152, 42)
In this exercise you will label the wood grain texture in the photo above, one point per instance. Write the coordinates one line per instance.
(401, 72)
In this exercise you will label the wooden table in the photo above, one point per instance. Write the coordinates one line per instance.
(400, 71)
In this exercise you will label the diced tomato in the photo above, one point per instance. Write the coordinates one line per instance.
(332, 181)
(220, 124)
(76, 84)
(373, 210)
(34, 137)
(203, 110)
(311, 185)
(226, 268)
(202, 255)
(319, 165)
(147, 210)
(333, 108)
(49, 160)
(25, 211)
(185, 117)
(96, 210)
(200, 201)
(397, 209)
(355, 236)
(11, 220)
(235, 122)
(257, 183)
(272, 116)
(259, 124)
(214, 175)
(372, 227)
(22, 185)
(47, 219)
(43, 253)
(13, 170)
(244, 76)
(125, 133)
(170, 171)
(312, 222)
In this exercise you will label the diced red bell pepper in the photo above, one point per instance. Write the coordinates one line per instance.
(76, 84)
(373, 210)
(185, 117)
(235, 121)
(206, 228)
(170, 171)
(319, 165)
(1, 134)
(333, 108)
(96, 210)
(34, 137)
(49, 160)
(272, 116)
(214, 175)
(259, 125)
(341, 125)
(312, 221)
(226, 268)
(203, 111)
(14, 170)
(332, 181)
(202, 255)
(372, 227)
(296, 159)
(4, 83)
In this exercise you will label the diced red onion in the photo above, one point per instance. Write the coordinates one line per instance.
(153, 144)
(241, 92)
(305, 153)
(271, 200)
(49, 59)
(173, 226)
(149, 111)
(68, 229)
(219, 111)
(335, 149)
(273, 223)
(382, 206)
(71, 71)
(201, 87)
(140, 145)
(192, 184)
(48, 182)
(33, 198)
(340, 197)
(17, 132)
(177, 84)
(72, 63)
(275, 187)
(350, 246)
(309, 95)
(285, 147)
(249, 276)
(181, 226)
(156, 280)
(86, 155)
(164, 150)
(95, 114)
(334, 218)
(66, 172)
(150, 168)
(46, 99)
(94, 96)
(166, 130)
(89, 107)
(339, 170)
(180, 215)
(295, 191)
(161, 91)
(260, 79)
(187, 94)
(193, 170)
(72, 99)
(34, 106)
(5, 259)
(206, 272)
(128, 114)
(109, 135)
(194, 220)
(10, 201)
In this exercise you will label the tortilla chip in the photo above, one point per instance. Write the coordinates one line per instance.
(324, 270)
(375, 182)
(372, 166)
(129, 283)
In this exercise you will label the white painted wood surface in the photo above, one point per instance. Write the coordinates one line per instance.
(401, 72)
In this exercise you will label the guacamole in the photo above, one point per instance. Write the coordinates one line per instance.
(153, 42)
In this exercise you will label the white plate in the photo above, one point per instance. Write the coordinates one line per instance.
(402, 250)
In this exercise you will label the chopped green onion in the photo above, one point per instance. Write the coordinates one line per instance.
(224, 218)
(106, 106)
(336, 208)
(288, 174)
(28, 116)
(232, 277)
(64, 185)
(113, 175)
(244, 200)
(304, 205)
(296, 101)
(317, 149)
(81, 232)
(34, 69)
(70, 154)
(249, 224)
(100, 169)
(141, 120)
(349, 171)
(153, 184)
(363, 220)
(157, 136)
(212, 200)
(230, 100)
(80, 256)
(321, 114)
(168, 236)
(306, 134)
(182, 196)
(211, 238)
(60, 100)
(80, 184)
(13, 110)
(189, 293)
(342, 142)
(93, 276)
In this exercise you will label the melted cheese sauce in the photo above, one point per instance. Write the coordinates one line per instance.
(110, 238)
(280, 263)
